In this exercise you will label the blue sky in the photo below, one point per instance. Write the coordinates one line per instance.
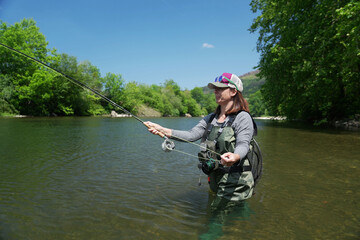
(147, 41)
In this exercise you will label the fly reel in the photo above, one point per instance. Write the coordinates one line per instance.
(168, 145)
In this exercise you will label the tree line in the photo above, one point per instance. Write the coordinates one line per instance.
(29, 88)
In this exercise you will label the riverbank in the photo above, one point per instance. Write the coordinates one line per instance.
(349, 124)
(346, 123)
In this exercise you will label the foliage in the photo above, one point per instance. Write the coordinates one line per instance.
(193, 108)
(130, 99)
(32, 89)
(16, 71)
(256, 104)
(170, 100)
(206, 100)
(29, 88)
(310, 57)
(251, 83)
(7, 90)
(113, 87)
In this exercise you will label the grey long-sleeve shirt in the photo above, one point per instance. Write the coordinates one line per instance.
(242, 125)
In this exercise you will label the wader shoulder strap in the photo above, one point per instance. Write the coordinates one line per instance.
(228, 122)
(210, 125)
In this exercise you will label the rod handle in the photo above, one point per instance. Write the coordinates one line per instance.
(158, 133)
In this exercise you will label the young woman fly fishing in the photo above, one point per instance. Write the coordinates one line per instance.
(225, 137)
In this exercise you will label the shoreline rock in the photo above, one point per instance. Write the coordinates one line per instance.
(278, 118)
(348, 124)
(115, 114)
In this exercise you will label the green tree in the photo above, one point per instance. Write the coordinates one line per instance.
(193, 108)
(171, 84)
(256, 104)
(25, 37)
(198, 94)
(89, 75)
(30, 88)
(206, 101)
(152, 97)
(172, 99)
(70, 98)
(113, 87)
(309, 57)
(172, 103)
(210, 103)
(6, 92)
(130, 99)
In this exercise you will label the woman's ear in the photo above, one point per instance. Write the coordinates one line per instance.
(233, 92)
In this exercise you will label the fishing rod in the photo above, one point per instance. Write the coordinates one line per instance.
(168, 144)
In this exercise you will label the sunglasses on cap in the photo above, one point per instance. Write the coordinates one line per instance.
(225, 80)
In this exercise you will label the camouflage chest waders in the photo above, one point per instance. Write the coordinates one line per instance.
(233, 183)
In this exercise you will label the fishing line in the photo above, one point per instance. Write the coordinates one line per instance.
(167, 146)
(195, 156)
(75, 82)
(198, 145)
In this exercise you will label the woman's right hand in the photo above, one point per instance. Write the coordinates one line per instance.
(156, 129)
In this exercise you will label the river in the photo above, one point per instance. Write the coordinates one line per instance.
(108, 178)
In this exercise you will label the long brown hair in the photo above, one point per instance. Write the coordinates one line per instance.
(240, 104)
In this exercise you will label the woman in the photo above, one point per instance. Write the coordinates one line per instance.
(227, 132)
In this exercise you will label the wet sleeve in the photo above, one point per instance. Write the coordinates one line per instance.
(244, 130)
(192, 135)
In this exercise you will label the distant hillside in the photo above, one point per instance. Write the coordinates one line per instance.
(251, 83)
(250, 73)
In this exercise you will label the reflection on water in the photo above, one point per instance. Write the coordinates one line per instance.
(102, 178)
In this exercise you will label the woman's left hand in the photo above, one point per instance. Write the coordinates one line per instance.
(228, 159)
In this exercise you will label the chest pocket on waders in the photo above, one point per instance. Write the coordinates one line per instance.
(208, 157)
(216, 141)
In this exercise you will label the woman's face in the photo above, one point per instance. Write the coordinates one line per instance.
(224, 95)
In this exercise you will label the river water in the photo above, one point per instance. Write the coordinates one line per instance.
(105, 178)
